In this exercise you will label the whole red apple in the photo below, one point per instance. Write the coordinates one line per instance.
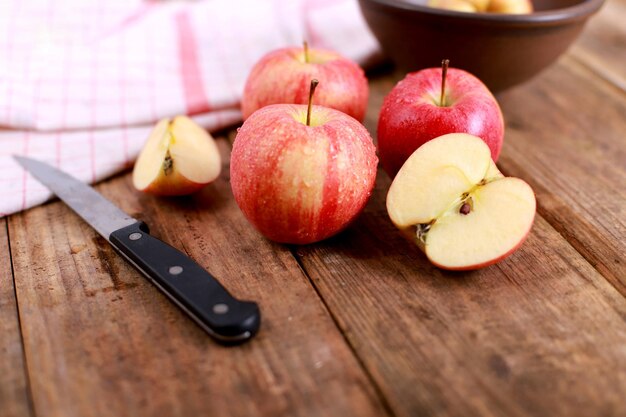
(283, 76)
(299, 183)
(414, 113)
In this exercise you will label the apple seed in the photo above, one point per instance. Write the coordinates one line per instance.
(168, 164)
(467, 206)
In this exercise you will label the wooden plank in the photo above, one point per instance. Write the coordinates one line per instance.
(603, 44)
(541, 333)
(565, 136)
(13, 381)
(101, 341)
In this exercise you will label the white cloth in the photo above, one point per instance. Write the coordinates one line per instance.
(82, 82)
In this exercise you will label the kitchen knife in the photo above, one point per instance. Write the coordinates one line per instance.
(186, 283)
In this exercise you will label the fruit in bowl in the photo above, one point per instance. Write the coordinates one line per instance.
(452, 200)
(490, 6)
(431, 103)
(302, 173)
(178, 158)
(501, 49)
(510, 6)
(283, 76)
(456, 5)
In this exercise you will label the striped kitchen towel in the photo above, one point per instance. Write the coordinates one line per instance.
(83, 82)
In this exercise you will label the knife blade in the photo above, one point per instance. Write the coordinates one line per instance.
(187, 284)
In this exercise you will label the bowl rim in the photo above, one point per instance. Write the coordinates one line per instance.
(556, 16)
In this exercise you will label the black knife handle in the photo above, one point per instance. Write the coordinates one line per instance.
(189, 285)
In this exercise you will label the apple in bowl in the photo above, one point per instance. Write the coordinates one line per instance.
(456, 5)
(510, 6)
(452, 200)
(302, 174)
(431, 103)
(283, 76)
(490, 6)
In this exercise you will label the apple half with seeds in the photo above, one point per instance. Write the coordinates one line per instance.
(452, 199)
(178, 158)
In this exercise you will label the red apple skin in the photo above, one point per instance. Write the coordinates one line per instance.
(282, 76)
(272, 155)
(410, 115)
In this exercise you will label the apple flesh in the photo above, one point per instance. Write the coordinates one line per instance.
(297, 183)
(283, 77)
(463, 212)
(413, 113)
(178, 158)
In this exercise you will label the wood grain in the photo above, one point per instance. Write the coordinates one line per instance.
(101, 341)
(541, 333)
(13, 380)
(603, 46)
(574, 156)
(361, 324)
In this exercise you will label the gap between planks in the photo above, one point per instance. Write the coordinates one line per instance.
(229, 137)
(577, 226)
(24, 405)
(602, 43)
(264, 367)
(577, 244)
(394, 378)
(352, 342)
(582, 58)
(552, 224)
(379, 392)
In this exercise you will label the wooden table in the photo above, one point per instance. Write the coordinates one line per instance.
(361, 324)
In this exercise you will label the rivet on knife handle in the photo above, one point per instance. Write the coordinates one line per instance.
(189, 285)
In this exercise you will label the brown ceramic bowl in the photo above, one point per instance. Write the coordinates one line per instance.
(501, 49)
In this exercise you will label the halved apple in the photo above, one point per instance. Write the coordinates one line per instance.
(462, 212)
(178, 158)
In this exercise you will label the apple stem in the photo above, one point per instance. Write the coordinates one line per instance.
(314, 84)
(444, 72)
(306, 51)
(466, 207)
